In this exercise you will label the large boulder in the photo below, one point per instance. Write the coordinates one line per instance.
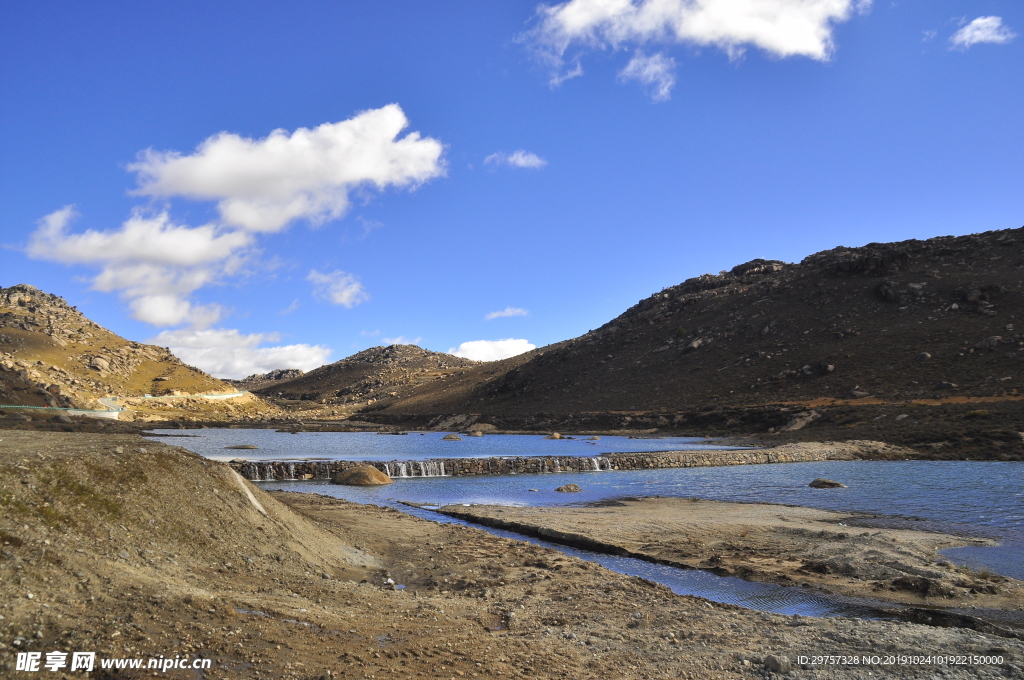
(569, 488)
(822, 483)
(451, 437)
(553, 435)
(364, 475)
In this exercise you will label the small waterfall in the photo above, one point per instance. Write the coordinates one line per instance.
(432, 468)
(291, 471)
(597, 464)
(322, 471)
(400, 470)
(266, 472)
(251, 472)
(387, 470)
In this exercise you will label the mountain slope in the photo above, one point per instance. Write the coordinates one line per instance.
(884, 323)
(52, 355)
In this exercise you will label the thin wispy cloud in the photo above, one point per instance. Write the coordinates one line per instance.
(492, 350)
(655, 71)
(781, 28)
(402, 340)
(338, 288)
(291, 308)
(982, 30)
(508, 311)
(516, 159)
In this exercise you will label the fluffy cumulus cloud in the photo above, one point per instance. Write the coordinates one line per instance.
(263, 184)
(508, 311)
(782, 28)
(516, 159)
(338, 288)
(982, 30)
(259, 185)
(226, 353)
(656, 71)
(491, 350)
(151, 261)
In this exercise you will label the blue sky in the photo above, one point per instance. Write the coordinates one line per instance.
(557, 162)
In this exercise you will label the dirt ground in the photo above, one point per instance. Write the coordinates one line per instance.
(774, 543)
(131, 549)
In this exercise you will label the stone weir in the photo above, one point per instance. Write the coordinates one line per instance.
(271, 470)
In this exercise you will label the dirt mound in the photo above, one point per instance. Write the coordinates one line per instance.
(365, 475)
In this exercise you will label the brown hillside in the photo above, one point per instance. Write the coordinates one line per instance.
(52, 355)
(884, 323)
(373, 375)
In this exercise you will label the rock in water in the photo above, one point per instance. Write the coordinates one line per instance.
(821, 483)
(475, 433)
(242, 446)
(451, 437)
(569, 488)
(553, 435)
(364, 475)
(593, 439)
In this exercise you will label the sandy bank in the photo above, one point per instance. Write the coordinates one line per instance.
(128, 548)
(774, 543)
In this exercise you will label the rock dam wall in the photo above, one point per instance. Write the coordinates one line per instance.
(455, 467)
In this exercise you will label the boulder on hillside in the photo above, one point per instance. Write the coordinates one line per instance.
(451, 437)
(822, 483)
(364, 475)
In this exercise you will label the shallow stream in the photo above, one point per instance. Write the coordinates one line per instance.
(960, 497)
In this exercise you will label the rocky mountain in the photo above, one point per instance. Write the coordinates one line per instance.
(52, 355)
(915, 323)
(378, 374)
(260, 380)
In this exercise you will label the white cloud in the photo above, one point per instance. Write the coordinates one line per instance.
(338, 287)
(782, 28)
(516, 159)
(263, 184)
(982, 30)
(657, 70)
(508, 311)
(491, 350)
(226, 353)
(402, 340)
(154, 263)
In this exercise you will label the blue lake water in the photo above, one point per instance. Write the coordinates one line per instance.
(275, 445)
(967, 497)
